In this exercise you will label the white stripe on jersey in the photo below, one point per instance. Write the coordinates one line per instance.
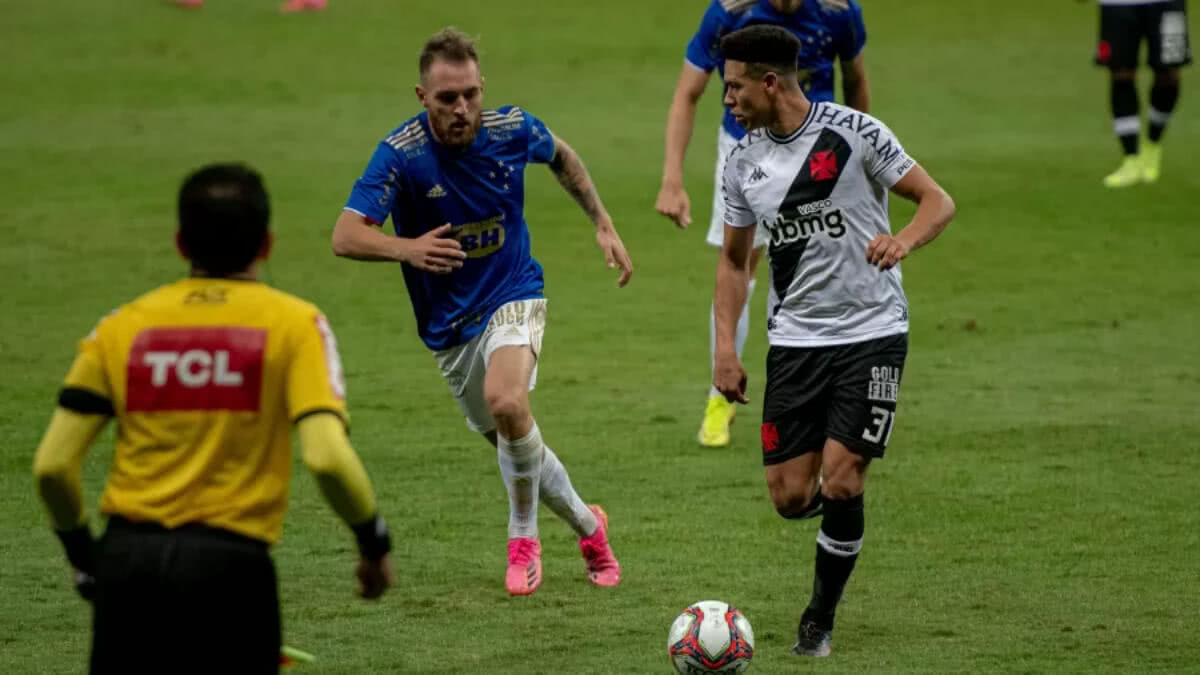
(405, 136)
(737, 6)
(822, 194)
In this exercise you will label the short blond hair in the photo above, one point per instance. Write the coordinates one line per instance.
(448, 44)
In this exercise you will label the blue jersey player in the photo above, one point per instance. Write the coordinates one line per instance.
(828, 30)
(452, 180)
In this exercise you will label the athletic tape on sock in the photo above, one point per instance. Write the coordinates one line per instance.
(1126, 126)
(843, 549)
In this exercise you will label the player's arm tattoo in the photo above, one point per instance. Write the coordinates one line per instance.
(568, 168)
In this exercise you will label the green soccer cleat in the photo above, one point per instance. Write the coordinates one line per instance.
(1126, 175)
(1151, 159)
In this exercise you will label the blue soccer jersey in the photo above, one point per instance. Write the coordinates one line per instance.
(825, 34)
(480, 191)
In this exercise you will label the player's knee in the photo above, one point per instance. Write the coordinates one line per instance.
(844, 474)
(1166, 76)
(777, 488)
(1123, 74)
(506, 407)
(797, 506)
(792, 499)
(842, 485)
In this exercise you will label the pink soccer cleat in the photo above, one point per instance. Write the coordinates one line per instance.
(189, 4)
(293, 6)
(602, 566)
(524, 566)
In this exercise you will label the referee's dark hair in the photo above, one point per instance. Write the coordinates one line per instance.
(763, 48)
(223, 215)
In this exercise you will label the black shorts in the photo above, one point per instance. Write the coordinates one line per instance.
(1162, 24)
(844, 392)
(188, 600)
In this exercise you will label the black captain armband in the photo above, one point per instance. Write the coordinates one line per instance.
(85, 402)
(323, 411)
(374, 540)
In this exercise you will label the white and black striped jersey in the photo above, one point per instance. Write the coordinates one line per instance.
(822, 194)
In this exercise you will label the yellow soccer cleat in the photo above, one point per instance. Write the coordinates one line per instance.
(1126, 175)
(1151, 159)
(718, 415)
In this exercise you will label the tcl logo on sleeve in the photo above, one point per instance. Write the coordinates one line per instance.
(208, 368)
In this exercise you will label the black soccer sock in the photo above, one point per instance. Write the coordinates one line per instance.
(838, 542)
(1125, 114)
(1163, 96)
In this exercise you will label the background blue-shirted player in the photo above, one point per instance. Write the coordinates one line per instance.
(829, 30)
(452, 180)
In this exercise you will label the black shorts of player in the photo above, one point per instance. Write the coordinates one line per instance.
(844, 392)
(1162, 24)
(188, 600)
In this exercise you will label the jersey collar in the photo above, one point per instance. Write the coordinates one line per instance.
(812, 109)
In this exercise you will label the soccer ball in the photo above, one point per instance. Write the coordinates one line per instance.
(710, 637)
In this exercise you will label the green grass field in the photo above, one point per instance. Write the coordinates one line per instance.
(1037, 509)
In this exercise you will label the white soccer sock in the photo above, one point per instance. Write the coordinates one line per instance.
(521, 466)
(743, 330)
(560, 496)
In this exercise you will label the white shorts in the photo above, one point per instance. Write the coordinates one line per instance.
(514, 324)
(716, 225)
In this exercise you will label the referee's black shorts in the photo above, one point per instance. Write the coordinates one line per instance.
(189, 600)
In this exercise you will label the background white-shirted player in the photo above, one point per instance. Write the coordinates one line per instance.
(830, 30)
(1124, 24)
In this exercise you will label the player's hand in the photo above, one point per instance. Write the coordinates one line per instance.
(729, 378)
(614, 253)
(885, 251)
(374, 576)
(435, 252)
(85, 583)
(81, 554)
(673, 203)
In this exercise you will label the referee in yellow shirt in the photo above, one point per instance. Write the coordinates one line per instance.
(206, 378)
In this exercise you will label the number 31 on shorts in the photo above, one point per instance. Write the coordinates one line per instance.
(880, 426)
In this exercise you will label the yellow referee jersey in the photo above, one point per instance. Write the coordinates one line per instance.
(206, 377)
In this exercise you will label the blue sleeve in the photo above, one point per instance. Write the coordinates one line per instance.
(704, 50)
(851, 33)
(541, 147)
(375, 192)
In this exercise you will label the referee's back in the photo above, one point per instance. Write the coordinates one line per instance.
(206, 377)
